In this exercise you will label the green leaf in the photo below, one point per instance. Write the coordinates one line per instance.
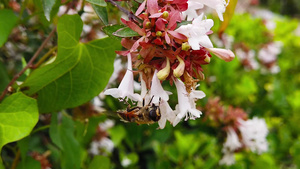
(125, 33)
(183, 23)
(110, 29)
(18, 116)
(30, 163)
(39, 11)
(47, 6)
(79, 73)
(100, 162)
(63, 136)
(97, 2)
(86, 131)
(102, 13)
(7, 21)
(117, 134)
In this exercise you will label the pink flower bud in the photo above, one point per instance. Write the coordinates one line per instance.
(224, 54)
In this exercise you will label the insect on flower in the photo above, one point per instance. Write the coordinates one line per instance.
(147, 114)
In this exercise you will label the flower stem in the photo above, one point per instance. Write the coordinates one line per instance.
(128, 13)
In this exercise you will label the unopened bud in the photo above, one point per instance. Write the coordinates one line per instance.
(164, 73)
(180, 68)
(148, 25)
(165, 14)
(224, 54)
(207, 59)
(158, 33)
(185, 46)
(139, 56)
(201, 76)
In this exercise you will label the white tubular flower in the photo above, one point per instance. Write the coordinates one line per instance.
(232, 141)
(193, 5)
(254, 133)
(186, 103)
(104, 146)
(197, 32)
(218, 5)
(125, 88)
(268, 53)
(157, 90)
(227, 159)
(166, 114)
(191, 12)
(159, 93)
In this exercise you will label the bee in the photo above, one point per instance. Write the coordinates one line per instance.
(147, 114)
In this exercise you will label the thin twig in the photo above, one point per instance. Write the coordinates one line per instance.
(128, 13)
(29, 64)
(16, 160)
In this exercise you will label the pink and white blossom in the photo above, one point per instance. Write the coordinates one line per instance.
(197, 32)
(254, 133)
(186, 106)
(232, 143)
(193, 5)
(126, 87)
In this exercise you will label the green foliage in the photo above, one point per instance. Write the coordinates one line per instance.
(256, 32)
(66, 83)
(102, 13)
(125, 32)
(18, 116)
(47, 6)
(100, 162)
(110, 29)
(97, 2)
(62, 135)
(79, 72)
(7, 21)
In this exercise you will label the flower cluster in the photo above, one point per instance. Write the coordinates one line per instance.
(242, 133)
(166, 51)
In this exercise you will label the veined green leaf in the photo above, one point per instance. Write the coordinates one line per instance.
(79, 73)
(102, 13)
(125, 32)
(47, 5)
(62, 134)
(7, 21)
(110, 29)
(18, 116)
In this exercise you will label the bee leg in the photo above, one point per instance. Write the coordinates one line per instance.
(143, 102)
(150, 100)
(125, 101)
(132, 109)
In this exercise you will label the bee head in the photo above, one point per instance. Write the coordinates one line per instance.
(154, 113)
